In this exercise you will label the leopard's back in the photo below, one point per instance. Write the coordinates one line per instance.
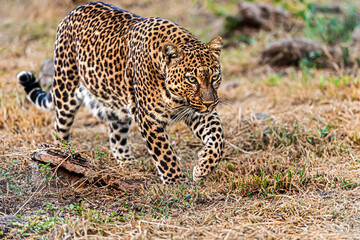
(92, 43)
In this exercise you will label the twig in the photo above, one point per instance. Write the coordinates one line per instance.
(239, 149)
(36, 191)
(228, 234)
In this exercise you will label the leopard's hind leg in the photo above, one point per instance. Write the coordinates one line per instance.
(119, 129)
(65, 86)
(62, 96)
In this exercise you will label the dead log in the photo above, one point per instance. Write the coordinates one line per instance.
(264, 16)
(251, 17)
(290, 51)
(73, 162)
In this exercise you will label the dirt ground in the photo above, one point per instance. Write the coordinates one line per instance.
(291, 168)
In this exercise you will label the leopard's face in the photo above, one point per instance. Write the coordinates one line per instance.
(195, 75)
(196, 85)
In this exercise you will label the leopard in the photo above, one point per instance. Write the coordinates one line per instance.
(127, 68)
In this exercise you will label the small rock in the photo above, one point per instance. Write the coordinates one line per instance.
(46, 74)
(261, 116)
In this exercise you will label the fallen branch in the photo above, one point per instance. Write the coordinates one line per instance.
(75, 163)
(265, 16)
(257, 16)
(290, 51)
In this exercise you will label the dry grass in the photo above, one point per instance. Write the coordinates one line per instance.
(291, 168)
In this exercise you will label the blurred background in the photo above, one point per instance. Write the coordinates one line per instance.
(28, 30)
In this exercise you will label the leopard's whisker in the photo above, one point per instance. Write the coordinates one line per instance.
(176, 108)
(186, 114)
(189, 114)
(178, 119)
(158, 115)
(179, 116)
(174, 117)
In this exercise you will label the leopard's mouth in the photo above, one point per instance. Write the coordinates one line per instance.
(195, 107)
(202, 108)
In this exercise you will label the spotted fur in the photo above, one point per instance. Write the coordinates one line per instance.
(126, 67)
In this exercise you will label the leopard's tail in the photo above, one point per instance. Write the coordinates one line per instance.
(34, 92)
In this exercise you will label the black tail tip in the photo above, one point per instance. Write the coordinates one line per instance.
(24, 78)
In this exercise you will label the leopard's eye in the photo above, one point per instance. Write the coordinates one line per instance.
(192, 80)
(215, 78)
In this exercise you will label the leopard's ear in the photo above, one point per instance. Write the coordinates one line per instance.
(172, 53)
(215, 46)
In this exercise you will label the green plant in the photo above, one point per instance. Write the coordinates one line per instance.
(75, 208)
(99, 154)
(306, 65)
(312, 60)
(67, 145)
(329, 28)
(45, 171)
(301, 172)
(7, 175)
(278, 183)
(274, 79)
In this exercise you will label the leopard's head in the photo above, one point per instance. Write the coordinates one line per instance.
(193, 73)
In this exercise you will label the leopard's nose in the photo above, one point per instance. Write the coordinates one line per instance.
(207, 104)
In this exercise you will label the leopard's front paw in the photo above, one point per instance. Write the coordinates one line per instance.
(205, 165)
(199, 173)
